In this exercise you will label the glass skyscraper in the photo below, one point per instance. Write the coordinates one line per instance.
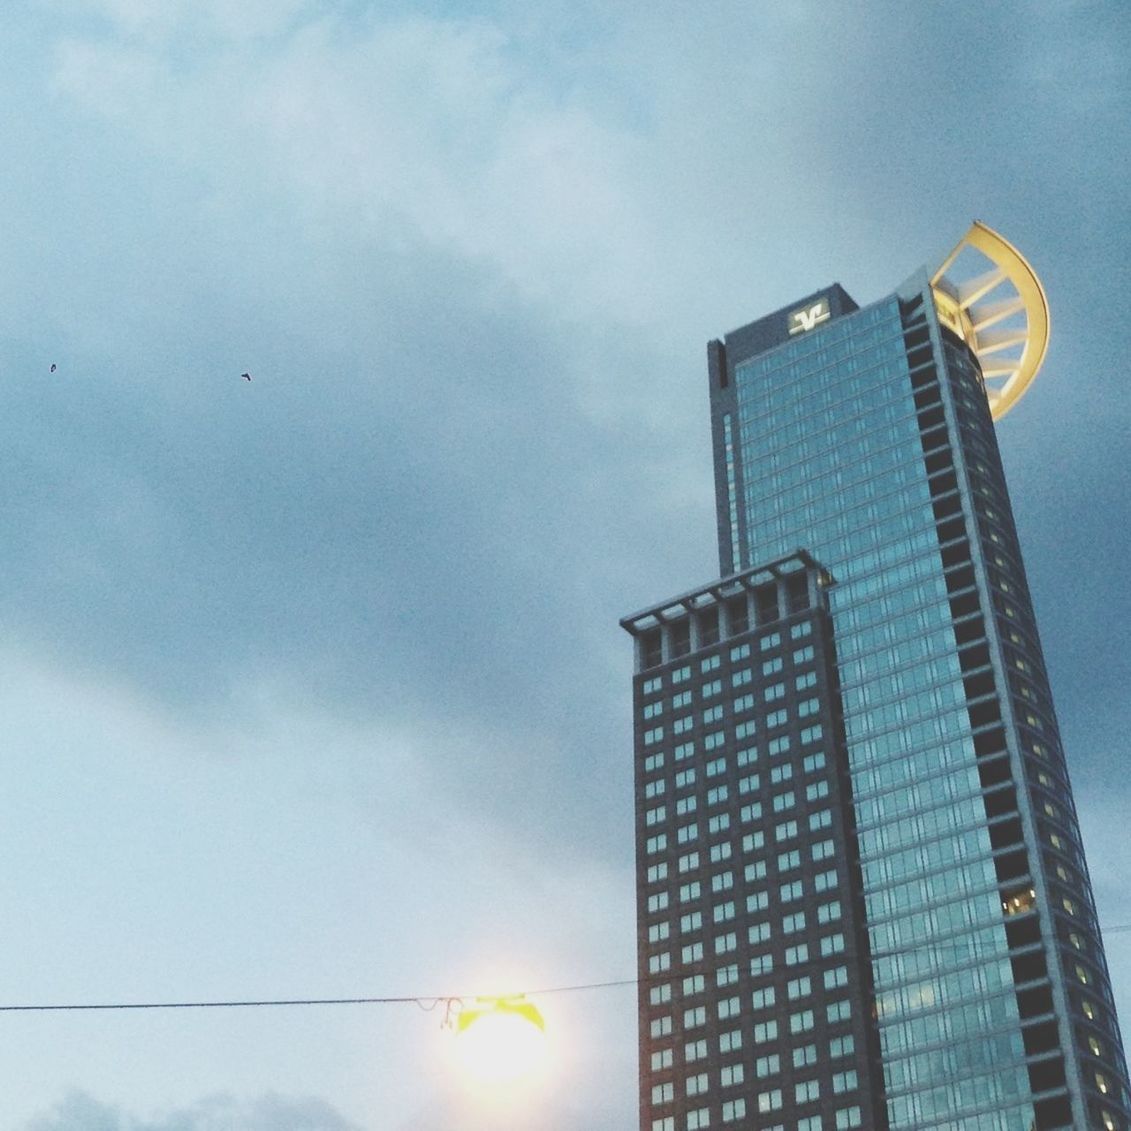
(862, 899)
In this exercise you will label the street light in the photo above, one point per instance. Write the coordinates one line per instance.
(500, 1040)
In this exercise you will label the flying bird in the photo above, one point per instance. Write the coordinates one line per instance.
(246, 376)
(53, 367)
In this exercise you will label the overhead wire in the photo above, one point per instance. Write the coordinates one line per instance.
(427, 1002)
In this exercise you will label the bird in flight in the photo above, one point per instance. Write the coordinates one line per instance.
(53, 367)
(246, 376)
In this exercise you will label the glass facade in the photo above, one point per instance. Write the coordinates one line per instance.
(868, 441)
(863, 439)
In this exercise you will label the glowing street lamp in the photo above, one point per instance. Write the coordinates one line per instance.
(500, 1039)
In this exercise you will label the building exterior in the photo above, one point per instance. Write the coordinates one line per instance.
(902, 877)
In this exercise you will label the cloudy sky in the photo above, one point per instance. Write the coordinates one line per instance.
(312, 686)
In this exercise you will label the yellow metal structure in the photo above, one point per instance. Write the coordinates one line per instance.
(1002, 314)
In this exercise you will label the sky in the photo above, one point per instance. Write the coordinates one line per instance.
(312, 685)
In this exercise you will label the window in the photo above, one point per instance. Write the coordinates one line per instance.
(723, 912)
(781, 773)
(802, 655)
(741, 678)
(658, 901)
(690, 891)
(778, 745)
(654, 788)
(847, 1118)
(717, 795)
(729, 1007)
(806, 1091)
(798, 988)
(663, 1093)
(651, 710)
(708, 690)
(655, 815)
(653, 762)
(791, 924)
(687, 833)
(683, 699)
(691, 922)
(683, 725)
(844, 1082)
(804, 1056)
(784, 801)
(693, 952)
(837, 976)
(816, 790)
(751, 812)
(825, 881)
(694, 1017)
(812, 762)
(657, 932)
(726, 975)
(791, 891)
(657, 872)
(681, 675)
(713, 714)
(829, 912)
(785, 831)
(770, 1101)
(698, 1119)
(740, 652)
(722, 881)
(710, 663)
(838, 1011)
(758, 901)
(652, 685)
(755, 870)
(661, 1059)
(823, 850)
(763, 998)
(697, 1084)
(717, 767)
(777, 719)
(696, 984)
(718, 823)
(720, 852)
(743, 703)
(731, 1074)
(833, 944)
(842, 1046)
(686, 805)
(810, 1123)
(789, 860)
(656, 844)
(749, 783)
(795, 955)
(758, 933)
(652, 736)
(695, 1050)
(767, 1066)
(658, 963)
(761, 964)
(822, 819)
(772, 640)
(765, 1031)
(661, 1026)
(684, 778)
(802, 1021)
(724, 944)
(806, 679)
(734, 1109)
(730, 1042)
(802, 628)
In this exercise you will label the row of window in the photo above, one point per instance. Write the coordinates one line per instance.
(845, 1119)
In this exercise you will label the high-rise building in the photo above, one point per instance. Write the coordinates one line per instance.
(862, 898)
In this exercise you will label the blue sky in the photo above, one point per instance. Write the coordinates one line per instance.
(313, 685)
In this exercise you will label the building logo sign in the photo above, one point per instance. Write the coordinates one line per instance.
(809, 316)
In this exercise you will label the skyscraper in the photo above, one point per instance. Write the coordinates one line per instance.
(862, 898)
